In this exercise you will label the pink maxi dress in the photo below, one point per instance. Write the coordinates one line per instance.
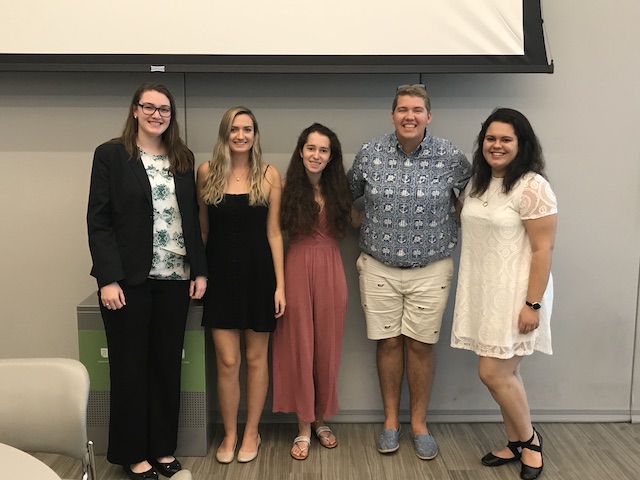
(307, 341)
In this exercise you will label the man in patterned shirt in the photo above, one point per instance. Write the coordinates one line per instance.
(409, 180)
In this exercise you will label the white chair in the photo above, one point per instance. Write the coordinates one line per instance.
(182, 475)
(43, 408)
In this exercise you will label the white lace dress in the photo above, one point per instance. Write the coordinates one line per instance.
(494, 270)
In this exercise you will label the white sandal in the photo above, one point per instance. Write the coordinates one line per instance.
(324, 429)
(303, 455)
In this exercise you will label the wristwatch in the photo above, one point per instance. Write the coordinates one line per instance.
(534, 305)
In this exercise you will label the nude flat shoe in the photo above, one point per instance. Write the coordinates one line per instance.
(246, 457)
(226, 457)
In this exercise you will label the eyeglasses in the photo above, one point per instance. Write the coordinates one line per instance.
(417, 85)
(150, 109)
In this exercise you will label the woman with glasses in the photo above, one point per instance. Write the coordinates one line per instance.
(239, 200)
(316, 210)
(148, 260)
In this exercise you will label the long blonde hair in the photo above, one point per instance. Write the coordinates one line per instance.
(220, 164)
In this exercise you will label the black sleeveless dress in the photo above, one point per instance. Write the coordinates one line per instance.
(242, 281)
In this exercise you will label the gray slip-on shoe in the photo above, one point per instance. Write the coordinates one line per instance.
(388, 440)
(425, 446)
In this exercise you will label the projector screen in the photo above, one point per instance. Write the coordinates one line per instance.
(274, 36)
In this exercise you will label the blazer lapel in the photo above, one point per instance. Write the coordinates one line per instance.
(141, 174)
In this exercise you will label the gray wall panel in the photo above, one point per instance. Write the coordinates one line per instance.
(584, 115)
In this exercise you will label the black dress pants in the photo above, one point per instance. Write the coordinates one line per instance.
(145, 340)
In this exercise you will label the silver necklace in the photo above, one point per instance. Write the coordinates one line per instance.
(486, 201)
(236, 177)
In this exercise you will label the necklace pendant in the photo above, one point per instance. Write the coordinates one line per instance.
(485, 203)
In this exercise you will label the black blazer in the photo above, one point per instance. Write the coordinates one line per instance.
(120, 218)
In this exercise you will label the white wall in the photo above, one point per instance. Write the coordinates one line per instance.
(585, 115)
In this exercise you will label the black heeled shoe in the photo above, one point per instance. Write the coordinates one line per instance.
(491, 460)
(167, 469)
(149, 474)
(527, 472)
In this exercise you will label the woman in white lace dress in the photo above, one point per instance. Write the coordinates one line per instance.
(505, 289)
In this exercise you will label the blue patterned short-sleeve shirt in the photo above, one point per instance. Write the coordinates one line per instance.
(409, 218)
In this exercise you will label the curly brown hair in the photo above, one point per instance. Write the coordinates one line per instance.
(299, 210)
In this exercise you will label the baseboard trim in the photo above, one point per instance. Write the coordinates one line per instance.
(468, 416)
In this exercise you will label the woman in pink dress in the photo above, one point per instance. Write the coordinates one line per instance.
(315, 213)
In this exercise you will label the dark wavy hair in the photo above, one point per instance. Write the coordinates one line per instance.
(528, 159)
(299, 210)
(180, 157)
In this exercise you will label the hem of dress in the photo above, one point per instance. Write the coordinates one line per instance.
(325, 416)
(236, 328)
(506, 356)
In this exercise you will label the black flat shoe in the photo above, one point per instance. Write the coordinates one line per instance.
(149, 474)
(167, 469)
(490, 460)
(527, 472)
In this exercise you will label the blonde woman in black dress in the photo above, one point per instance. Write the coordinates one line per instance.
(239, 200)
